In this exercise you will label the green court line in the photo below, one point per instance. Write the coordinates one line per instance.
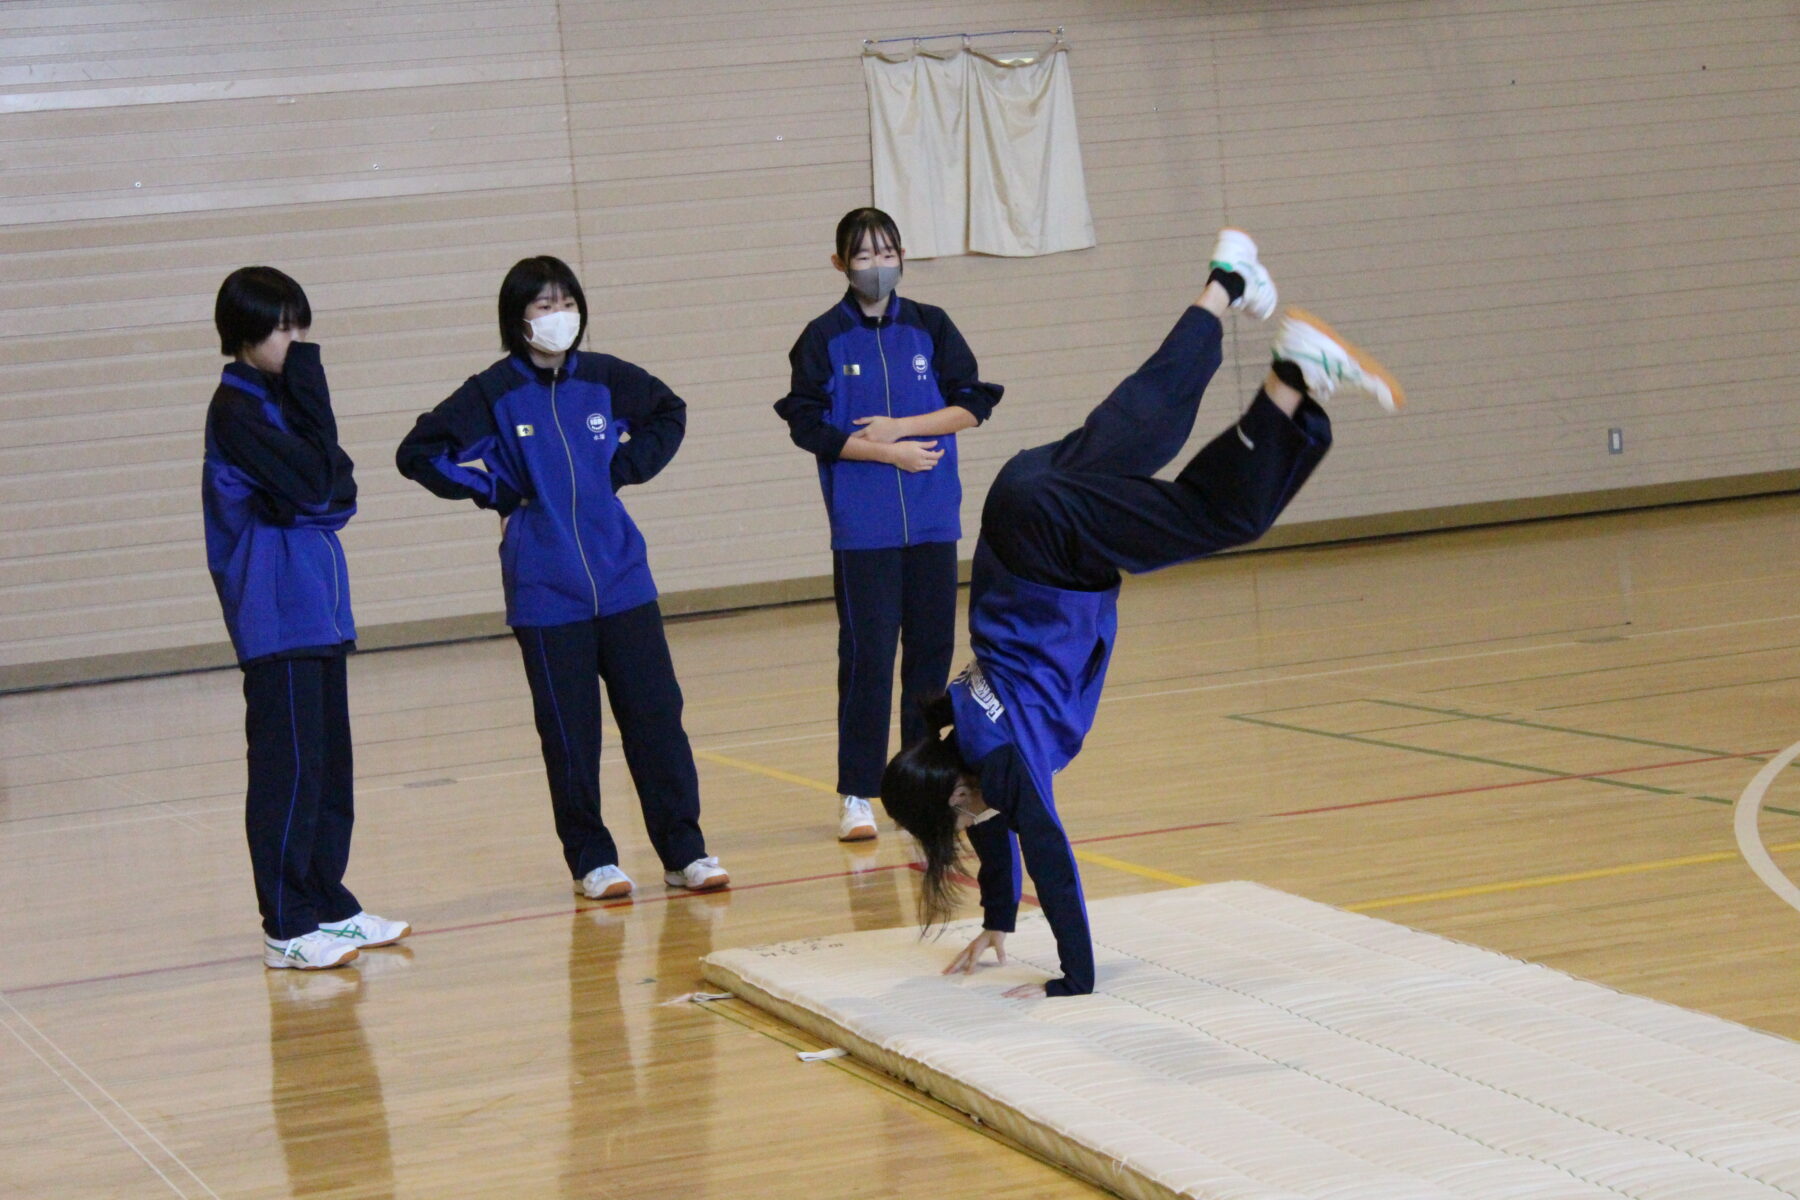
(1693, 691)
(1661, 662)
(1497, 762)
(1588, 733)
(1410, 725)
(1429, 647)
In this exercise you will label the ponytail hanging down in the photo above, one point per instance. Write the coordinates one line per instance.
(915, 790)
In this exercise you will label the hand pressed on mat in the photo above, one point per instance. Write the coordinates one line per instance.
(965, 962)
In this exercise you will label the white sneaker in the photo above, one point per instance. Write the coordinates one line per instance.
(1235, 252)
(702, 875)
(309, 952)
(366, 929)
(856, 823)
(1332, 365)
(604, 883)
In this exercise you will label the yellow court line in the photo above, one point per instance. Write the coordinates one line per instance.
(725, 760)
(1119, 864)
(1515, 885)
(1481, 889)
(1099, 860)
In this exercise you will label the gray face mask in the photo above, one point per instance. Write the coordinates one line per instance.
(874, 285)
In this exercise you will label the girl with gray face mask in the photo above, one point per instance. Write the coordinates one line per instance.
(881, 387)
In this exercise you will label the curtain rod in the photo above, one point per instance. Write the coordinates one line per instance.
(938, 37)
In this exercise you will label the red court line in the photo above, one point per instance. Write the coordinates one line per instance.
(750, 887)
(1487, 787)
(420, 933)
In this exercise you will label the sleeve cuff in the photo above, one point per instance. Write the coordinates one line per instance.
(831, 442)
(981, 412)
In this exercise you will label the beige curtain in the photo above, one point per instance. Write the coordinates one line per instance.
(976, 151)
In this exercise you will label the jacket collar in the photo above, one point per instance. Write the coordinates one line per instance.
(854, 307)
(545, 375)
(246, 378)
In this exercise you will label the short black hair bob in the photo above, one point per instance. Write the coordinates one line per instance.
(253, 303)
(858, 225)
(915, 790)
(529, 277)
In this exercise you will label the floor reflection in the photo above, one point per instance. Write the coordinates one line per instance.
(329, 1111)
(639, 1103)
(880, 896)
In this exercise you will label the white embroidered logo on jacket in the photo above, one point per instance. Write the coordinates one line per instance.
(982, 692)
(596, 424)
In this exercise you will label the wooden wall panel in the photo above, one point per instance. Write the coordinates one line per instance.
(1550, 219)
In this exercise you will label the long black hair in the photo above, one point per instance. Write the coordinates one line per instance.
(915, 790)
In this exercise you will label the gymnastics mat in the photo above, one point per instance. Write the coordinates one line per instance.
(1245, 1044)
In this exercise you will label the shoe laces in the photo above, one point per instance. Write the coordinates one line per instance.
(300, 947)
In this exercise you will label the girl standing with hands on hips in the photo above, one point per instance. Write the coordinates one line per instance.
(1059, 525)
(558, 432)
(881, 387)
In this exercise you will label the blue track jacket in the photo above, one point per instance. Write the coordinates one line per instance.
(275, 488)
(909, 361)
(554, 448)
(1023, 708)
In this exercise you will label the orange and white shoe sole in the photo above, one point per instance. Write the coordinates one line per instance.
(618, 889)
(405, 931)
(1362, 357)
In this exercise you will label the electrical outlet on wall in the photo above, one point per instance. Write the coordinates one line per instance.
(1615, 441)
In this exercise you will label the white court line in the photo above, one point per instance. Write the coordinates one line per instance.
(113, 781)
(20, 827)
(1749, 838)
(110, 1099)
(1259, 681)
(1268, 680)
(537, 768)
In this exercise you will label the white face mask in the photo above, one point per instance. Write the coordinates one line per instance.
(554, 332)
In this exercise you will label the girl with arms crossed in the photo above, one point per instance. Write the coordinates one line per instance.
(881, 386)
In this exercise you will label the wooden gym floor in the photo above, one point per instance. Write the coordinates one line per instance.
(1526, 737)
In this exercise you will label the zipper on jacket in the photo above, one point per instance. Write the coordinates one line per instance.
(337, 593)
(887, 392)
(574, 516)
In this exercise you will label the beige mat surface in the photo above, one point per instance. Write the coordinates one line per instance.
(1245, 1044)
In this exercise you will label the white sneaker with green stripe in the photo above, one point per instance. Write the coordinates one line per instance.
(1235, 251)
(313, 951)
(366, 929)
(1330, 365)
